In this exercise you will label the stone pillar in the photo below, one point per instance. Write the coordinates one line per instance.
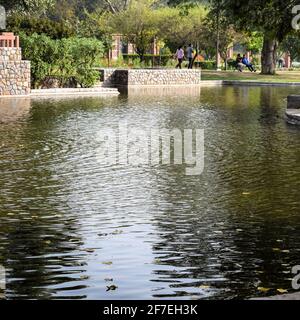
(287, 60)
(116, 47)
(219, 59)
(230, 53)
(155, 48)
(131, 49)
(14, 72)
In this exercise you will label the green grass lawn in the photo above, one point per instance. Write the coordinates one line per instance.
(281, 76)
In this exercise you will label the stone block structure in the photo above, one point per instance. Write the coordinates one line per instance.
(293, 110)
(150, 77)
(14, 72)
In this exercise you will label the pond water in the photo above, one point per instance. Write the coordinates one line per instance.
(70, 228)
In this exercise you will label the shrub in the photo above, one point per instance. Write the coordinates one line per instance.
(69, 60)
(207, 65)
(150, 60)
(30, 25)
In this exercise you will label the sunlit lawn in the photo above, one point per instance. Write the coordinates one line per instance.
(281, 76)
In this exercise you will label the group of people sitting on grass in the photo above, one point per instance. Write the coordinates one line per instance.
(242, 61)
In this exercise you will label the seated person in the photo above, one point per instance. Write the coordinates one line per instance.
(247, 63)
(239, 63)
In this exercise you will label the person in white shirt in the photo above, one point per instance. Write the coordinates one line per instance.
(180, 56)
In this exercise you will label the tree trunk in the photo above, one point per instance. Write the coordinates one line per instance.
(268, 55)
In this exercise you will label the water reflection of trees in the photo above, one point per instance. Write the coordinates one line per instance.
(40, 239)
(225, 228)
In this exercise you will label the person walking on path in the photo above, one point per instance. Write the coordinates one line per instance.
(180, 57)
(281, 63)
(247, 63)
(190, 51)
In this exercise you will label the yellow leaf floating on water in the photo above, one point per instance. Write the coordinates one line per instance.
(108, 263)
(262, 289)
(282, 291)
(246, 193)
(279, 250)
(204, 287)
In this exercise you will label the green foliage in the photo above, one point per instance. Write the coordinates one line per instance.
(177, 29)
(207, 65)
(292, 45)
(137, 24)
(149, 60)
(267, 16)
(29, 25)
(270, 17)
(65, 59)
(254, 42)
(31, 7)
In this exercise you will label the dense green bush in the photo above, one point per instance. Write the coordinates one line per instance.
(149, 60)
(29, 25)
(69, 60)
(206, 65)
(232, 64)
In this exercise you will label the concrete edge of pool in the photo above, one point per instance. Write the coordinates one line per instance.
(293, 110)
(281, 297)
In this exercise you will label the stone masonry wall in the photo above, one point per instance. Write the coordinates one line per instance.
(10, 54)
(14, 73)
(150, 77)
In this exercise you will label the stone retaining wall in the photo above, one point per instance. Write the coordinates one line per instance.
(293, 110)
(14, 73)
(10, 54)
(150, 77)
(293, 102)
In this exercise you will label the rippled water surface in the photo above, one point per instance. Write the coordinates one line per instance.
(70, 227)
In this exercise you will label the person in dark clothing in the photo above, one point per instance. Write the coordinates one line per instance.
(190, 52)
(247, 63)
(281, 63)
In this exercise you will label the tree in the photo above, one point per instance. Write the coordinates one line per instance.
(291, 44)
(137, 24)
(222, 37)
(32, 7)
(178, 27)
(116, 6)
(253, 41)
(271, 17)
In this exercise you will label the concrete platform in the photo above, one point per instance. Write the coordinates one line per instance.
(249, 83)
(96, 91)
(293, 110)
(282, 297)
